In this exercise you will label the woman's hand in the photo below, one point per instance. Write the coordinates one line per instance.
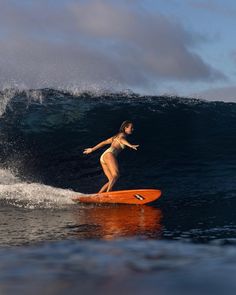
(88, 151)
(135, 146)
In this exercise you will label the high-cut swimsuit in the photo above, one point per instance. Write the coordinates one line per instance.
(112, 150)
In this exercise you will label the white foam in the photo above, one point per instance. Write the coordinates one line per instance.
(5, 97)
(7, 177)
(32, 195)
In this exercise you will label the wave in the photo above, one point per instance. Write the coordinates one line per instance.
(182, 140)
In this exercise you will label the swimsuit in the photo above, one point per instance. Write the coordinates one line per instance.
(112, 150)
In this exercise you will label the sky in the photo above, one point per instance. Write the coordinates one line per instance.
(175, 47)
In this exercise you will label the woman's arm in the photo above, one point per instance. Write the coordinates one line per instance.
(98, 146)
(132, 146)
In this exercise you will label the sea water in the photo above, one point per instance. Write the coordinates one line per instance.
(183, 243)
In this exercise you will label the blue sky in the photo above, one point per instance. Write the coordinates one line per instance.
(215, 20)
(182, 47)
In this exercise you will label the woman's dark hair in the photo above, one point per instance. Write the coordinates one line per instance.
(122, 128)
(124, 125)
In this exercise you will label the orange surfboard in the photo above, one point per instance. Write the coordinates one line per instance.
(139, 196)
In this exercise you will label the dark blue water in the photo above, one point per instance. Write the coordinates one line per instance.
(187, 149)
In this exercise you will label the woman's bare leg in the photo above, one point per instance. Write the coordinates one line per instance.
(113, 169)
(108, 175)
(112, 183)
(104, 188)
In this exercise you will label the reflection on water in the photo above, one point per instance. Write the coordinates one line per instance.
(23, 226)
(109, 222)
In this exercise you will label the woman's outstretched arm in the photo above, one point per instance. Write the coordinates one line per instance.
(132, 146)
(98, 146)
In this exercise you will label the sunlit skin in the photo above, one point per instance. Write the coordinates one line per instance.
(110, 166)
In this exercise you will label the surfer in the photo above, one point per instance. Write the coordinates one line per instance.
(108, 158)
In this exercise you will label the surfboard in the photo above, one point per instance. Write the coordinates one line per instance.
(138, 197)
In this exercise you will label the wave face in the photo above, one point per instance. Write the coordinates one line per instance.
(184, 143)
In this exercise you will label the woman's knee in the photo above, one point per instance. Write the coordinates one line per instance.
(115, 176)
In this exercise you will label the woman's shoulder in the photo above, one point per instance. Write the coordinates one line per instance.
(117, 136)
(120, 135)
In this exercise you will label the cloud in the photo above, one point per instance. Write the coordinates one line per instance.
(97, 42)
(213, 6)
(233, 56)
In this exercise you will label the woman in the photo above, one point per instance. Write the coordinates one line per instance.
(108, 158)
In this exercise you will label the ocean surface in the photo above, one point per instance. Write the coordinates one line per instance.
(184, 243)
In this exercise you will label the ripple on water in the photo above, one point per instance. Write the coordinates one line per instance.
(131, 266)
